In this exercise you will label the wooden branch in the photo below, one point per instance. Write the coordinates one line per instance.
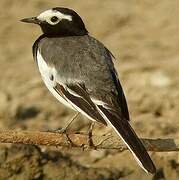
(81, 141)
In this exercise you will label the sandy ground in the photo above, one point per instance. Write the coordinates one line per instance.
(143, 36)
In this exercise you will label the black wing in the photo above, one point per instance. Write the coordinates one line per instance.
(121, 97)
(78, 97)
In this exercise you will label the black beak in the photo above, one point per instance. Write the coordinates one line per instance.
(33, 20)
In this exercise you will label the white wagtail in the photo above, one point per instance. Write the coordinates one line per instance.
(79, 71)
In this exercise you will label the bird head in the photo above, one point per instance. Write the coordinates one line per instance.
(59, 22)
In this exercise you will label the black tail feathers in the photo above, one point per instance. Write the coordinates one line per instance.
(125, 131)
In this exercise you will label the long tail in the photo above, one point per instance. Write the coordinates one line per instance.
(127, 134)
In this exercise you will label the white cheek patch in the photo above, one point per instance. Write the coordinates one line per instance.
(47, 15)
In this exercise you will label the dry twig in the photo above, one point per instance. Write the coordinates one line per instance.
(81, 140)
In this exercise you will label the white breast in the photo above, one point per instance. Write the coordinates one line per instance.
(47, 72)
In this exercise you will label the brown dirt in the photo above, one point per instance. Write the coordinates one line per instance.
(143, 35)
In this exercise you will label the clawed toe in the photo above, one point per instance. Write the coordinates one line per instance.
(62, 131)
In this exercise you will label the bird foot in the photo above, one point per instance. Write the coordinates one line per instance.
(64, 131)
(61, 131)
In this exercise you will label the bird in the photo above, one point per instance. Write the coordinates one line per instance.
(79, 71)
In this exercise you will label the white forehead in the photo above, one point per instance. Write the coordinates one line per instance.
(50, 13)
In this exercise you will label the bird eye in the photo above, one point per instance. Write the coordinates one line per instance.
(54, 19)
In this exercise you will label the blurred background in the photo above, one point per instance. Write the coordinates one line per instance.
(143, 35)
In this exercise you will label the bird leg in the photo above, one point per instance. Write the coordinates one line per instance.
(64, 130)
(90, 134)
